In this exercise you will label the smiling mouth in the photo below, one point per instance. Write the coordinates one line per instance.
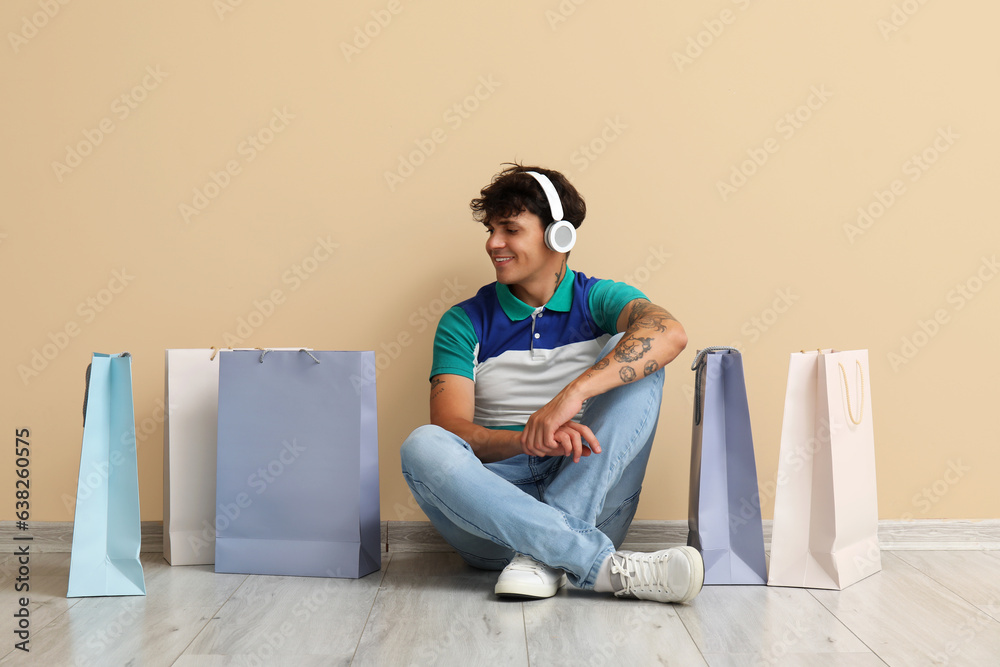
(501, 260)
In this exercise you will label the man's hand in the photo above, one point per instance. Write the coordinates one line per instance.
(652, 339)
(551, 431)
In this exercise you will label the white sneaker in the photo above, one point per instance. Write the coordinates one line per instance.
(671, 575)
(526, 577)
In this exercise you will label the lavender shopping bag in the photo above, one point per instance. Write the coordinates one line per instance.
(724, 517)
(297, 470)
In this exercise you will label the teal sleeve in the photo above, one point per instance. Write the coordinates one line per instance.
(455, 345)
(606, 300)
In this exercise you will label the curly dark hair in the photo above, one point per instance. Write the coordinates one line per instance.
(512, 192)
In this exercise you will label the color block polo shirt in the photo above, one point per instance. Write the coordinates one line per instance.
(519, 356)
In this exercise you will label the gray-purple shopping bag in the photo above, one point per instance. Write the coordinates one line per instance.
(297, 470)
(724, 520)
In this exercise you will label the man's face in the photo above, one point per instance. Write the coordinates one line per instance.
(517, 249)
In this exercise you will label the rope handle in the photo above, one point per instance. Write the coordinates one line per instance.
(263, 351)
(847, 393)
(266, 350)
(699, 365)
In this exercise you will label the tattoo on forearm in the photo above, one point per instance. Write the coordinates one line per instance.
(632, 348)
(649, 316)
(600, 365)
(649, 368)
(436, 387)
(627, 374)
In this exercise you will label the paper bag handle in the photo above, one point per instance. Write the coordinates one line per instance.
(847, 392)
(266, 350)
(698, 365)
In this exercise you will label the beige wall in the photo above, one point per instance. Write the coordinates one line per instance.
(887, 81)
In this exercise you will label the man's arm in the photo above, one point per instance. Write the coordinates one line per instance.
(453, 400)
(653, 338)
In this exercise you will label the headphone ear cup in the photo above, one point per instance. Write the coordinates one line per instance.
(560, 236)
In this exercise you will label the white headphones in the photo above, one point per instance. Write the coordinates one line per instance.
(560, 235)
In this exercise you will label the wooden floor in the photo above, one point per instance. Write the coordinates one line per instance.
(924, 608)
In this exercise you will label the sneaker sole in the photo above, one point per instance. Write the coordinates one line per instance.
(532, 591)
(697, 573)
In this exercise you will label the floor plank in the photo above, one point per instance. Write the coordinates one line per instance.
(116, 631)
(973, 575)
(178, 586)
(610, 631)
(48, 575)
(152, 629)
(795, 660)
(268, 617)
(253, 661)
(765, 622)
(924, 608)
(434, 609)
(907, 618)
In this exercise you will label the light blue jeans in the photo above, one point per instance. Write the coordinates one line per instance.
(570, 516)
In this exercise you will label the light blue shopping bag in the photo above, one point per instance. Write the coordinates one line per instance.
(724, 519)
(106, 531)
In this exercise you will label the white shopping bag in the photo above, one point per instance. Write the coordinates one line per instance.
(825, 531)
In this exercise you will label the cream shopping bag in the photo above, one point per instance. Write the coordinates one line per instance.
(825, 531)
(191, 396)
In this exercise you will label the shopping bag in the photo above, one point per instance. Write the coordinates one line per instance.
(106, 530)
(724, 521)
(297, 473)
(825, 532)
(191, 394)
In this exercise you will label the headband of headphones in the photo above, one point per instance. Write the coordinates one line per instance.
(560, 235)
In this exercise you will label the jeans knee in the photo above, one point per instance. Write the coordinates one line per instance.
(422, 447)
(416, 446)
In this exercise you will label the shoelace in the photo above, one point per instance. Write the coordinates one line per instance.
(522, 562)
(644, 577)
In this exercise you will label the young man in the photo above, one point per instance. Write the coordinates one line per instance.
(541, 422)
